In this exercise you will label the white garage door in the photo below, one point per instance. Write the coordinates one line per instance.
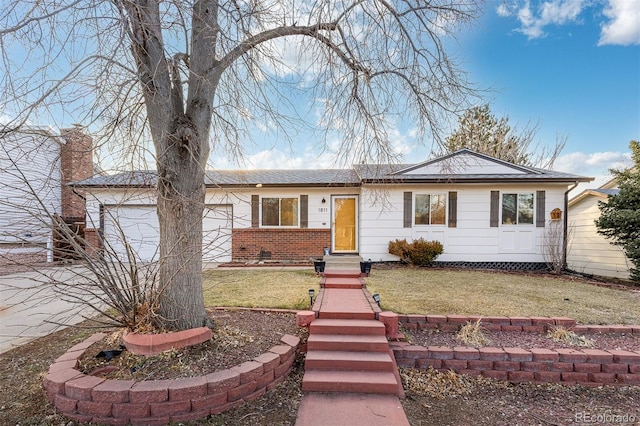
(138, 226)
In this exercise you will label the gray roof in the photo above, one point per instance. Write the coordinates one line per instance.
(360, 173)
(613, 191)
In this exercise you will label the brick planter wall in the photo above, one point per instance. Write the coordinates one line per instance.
(283, 244)
(584, 366)
(87, 398)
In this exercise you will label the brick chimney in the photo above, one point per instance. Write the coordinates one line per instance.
(76, 163)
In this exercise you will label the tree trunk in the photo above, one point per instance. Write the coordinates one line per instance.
(181, 193)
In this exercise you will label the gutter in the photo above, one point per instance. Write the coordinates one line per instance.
(565, 231)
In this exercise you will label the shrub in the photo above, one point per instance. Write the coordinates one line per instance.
(419, 252)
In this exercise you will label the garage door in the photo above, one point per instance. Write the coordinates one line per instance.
(137, 226)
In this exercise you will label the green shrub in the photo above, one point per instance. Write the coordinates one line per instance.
(418, 253)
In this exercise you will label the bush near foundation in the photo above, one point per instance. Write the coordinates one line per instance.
(419, 253)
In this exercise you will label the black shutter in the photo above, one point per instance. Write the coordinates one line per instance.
(453, 209)
(255, 211)
(304, 211)
(495, 206)
(540, 207)
(408, 204)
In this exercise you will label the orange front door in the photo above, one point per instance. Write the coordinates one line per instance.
(345, 224)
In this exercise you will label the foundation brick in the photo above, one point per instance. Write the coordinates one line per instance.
(283, 351)
(543, 321)
(416, 318)
(436, 319)
(492, 327)
(607, 378)
(249, 371)
(497, 320)
(457, 319)
(54, 382)
(290, 340)
(209, 401)
(620, 329)
(533, 328)
(64, 404)
(265, 379)
(634, 369)
(511, 328)
(406, 362)
(564, 322)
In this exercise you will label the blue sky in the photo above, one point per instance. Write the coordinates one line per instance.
(572, 66)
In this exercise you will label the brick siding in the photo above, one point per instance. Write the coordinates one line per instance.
(283, 244)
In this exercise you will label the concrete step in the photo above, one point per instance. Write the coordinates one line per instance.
(353, 409)
(350, 381)
(347, 326)
(341, 282)
(353, 361)
(353, 272)
(347, 315)
(345, 342)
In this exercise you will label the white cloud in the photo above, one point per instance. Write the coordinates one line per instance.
(595, 164)
(534, 21)
(623, 27)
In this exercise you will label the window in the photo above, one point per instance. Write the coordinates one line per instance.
(430, 209)
(279, 212)
(517, 209)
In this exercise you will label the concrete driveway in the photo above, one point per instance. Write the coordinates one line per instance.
(29, 308)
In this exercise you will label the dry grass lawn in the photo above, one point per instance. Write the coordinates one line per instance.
(433, 291)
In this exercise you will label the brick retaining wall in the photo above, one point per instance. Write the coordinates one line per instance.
(87, 398)
(584, 366)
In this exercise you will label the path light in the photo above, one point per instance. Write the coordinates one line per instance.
(311, 293)
(376, 298)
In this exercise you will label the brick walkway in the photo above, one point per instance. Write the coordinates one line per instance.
(350, 373)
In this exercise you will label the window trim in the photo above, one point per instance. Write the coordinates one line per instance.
(445, 209)
(297, 207)
(517, 194)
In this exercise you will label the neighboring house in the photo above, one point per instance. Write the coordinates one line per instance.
(485, 211)
(590, 252)
(35, 167)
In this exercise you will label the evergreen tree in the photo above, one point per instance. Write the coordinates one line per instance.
(620, 214)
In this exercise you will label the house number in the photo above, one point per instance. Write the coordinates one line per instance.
(323, 209)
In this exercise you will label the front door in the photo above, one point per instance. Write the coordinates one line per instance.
(344, 225)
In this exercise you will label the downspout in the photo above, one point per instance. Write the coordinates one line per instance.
(565, 230)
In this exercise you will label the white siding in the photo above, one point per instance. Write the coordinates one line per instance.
(472, 240)
(29, 190)
(590, 252)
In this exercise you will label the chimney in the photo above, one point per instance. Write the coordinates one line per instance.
(76, 163)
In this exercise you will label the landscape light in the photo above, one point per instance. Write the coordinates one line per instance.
(311, 293)
(376, 298)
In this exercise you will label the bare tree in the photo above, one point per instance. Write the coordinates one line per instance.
(198, 74)
(479, 130)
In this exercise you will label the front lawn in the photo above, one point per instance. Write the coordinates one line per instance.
(433, 291)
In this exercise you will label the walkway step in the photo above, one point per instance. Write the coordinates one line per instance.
(341, 282)
(347, 315)
(322, 409)
(341, 273)
(342, 360)
(347, 326)
(350, 381)
(345, 342)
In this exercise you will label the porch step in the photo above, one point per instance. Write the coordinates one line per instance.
(349, 326)
(353, 272)
(345, 342)
(350, 381)
(343, 360)
(348, 315)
